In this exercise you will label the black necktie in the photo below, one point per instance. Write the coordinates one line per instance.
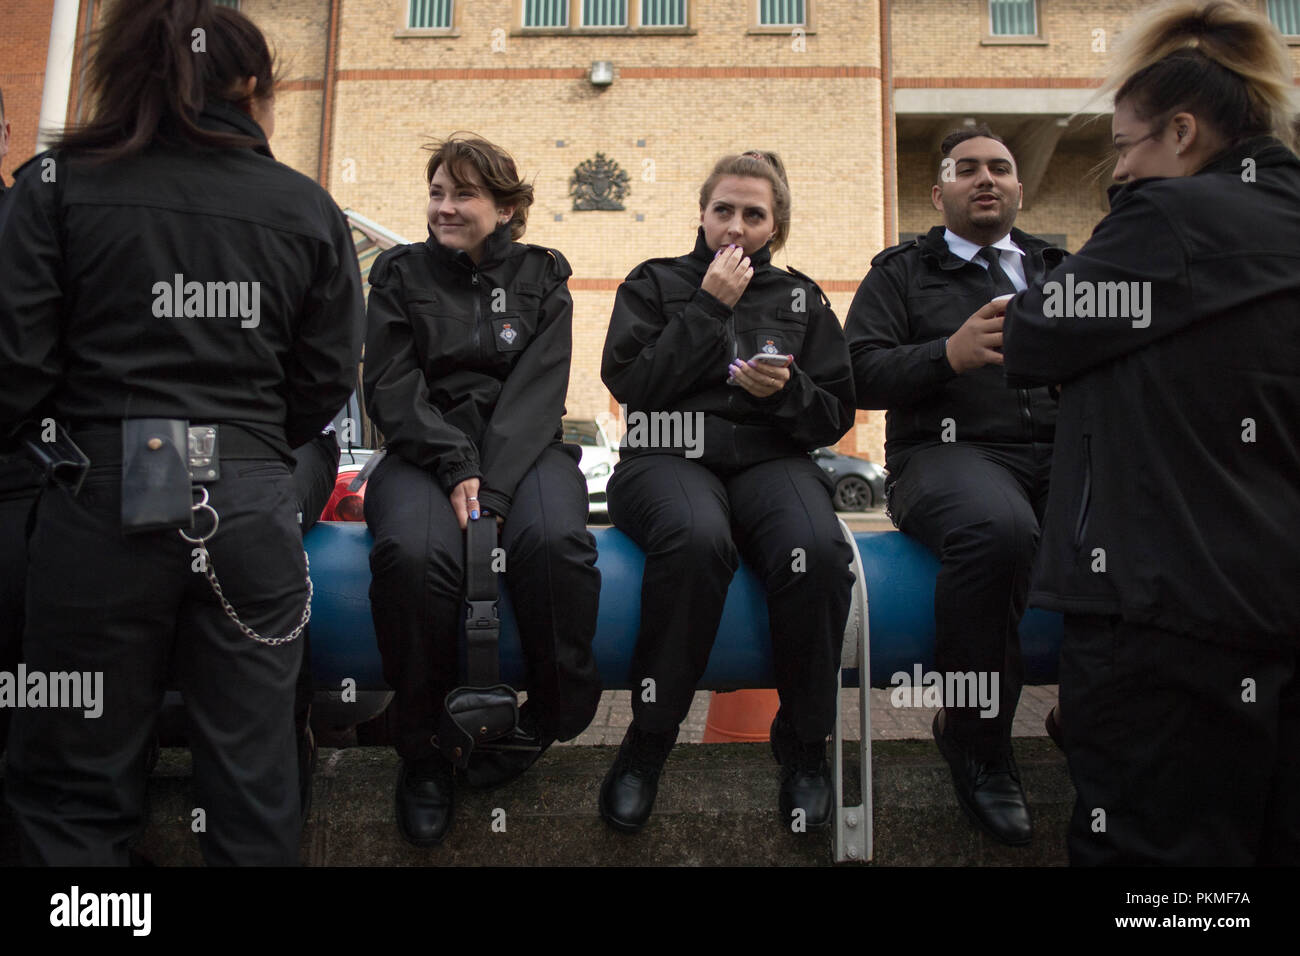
(1002, 284)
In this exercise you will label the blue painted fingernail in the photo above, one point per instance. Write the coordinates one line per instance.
(474, 515)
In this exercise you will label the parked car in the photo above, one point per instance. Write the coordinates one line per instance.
(859, 483)
(599, 456)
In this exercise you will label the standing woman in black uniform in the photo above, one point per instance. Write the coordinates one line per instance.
(680, 342)
(1170, 537)
(159, 264)
(468, 345)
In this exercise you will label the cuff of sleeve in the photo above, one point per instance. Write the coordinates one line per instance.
(496, 502)
(713, 306)
(453, 474)
(776, 398)
(939, 356)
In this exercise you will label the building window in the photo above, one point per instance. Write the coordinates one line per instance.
(781, 13)
(430, 15)
(1009, 18)
(1285, 15)
(663, 13)
(546, 13)
(604, 13)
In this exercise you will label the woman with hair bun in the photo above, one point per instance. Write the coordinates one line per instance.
(1170, 537)
(187, 311)
(468, 346)
(755, 358)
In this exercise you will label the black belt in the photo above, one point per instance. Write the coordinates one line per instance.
(102, 442)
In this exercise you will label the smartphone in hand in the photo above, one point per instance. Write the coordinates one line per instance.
(780, 361)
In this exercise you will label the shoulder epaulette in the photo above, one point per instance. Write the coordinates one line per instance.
(38, 158)
(384, 262)
(892, 251)
(797, 274)
(562, 267)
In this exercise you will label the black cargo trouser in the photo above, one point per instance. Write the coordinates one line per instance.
(316, 468)
(417, 593)
(978, 509)
(131, 608)
(1183, 752)
(694, 525)
(19, 489)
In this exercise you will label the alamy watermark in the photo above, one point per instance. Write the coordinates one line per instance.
(947, 689)
(77, 909)
(684, 430)
(78, 690)
(208, 300)
(1098, 300)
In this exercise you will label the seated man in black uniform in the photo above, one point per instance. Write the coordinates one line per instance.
(967, 457)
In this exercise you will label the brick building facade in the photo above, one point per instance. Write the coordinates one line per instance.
(855, 98)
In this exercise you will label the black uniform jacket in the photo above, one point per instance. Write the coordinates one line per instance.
(467, 365)
(670, 342)
(1177, 456)
(216, 285)
(916, 295)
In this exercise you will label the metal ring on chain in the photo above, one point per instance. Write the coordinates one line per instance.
(216, 519)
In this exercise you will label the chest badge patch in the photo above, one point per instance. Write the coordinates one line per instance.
(508, 335)
(769, 347)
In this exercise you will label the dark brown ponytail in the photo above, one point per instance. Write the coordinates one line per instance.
(155, 64)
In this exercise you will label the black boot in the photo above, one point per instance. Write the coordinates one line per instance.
(499, 762)
(988, 789)
(628, 794)
(425, 800)
(805, 777)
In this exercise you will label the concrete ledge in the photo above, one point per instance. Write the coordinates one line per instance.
(716, 806)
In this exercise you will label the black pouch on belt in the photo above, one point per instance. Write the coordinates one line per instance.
(485, 709)
(155, 475)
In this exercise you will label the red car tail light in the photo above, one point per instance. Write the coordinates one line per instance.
(345, 505)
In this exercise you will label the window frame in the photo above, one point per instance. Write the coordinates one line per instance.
(758, 27)
(1014, 39)
(406, 31)
(1290, 39)
(575, 27)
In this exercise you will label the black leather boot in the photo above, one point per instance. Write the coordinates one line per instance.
(628, 794)
(988, 789)
(805, 777)
(425, 800)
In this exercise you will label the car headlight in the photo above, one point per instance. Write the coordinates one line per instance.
(598, 470)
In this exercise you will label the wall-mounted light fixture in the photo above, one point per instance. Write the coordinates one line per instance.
(602, 73)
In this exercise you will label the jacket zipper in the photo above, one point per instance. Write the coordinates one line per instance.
(473, 278)
(1025, 412)
(1081, 524)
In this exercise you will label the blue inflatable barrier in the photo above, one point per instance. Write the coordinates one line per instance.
(899, 574)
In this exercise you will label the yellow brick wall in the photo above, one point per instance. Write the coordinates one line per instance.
(296, 141)
(295, 31)
(845, 32)
(942, 38)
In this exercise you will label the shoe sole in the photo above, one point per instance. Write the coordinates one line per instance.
(964, 802)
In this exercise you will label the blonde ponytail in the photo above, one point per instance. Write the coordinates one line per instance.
(1213, 58)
